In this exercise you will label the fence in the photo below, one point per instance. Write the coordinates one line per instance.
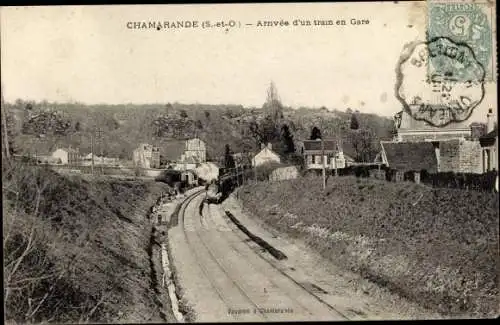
(467, 181)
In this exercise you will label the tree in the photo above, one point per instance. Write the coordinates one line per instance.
(273, 107)
(354, 122)
(264, 132)
(198, 124)
(77, 126)
(363, 142)
(184, 114)
(207, 115)
(228, 158)
(315, 133)
(287, 140)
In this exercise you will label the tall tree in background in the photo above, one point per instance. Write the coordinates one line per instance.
(228, 158)
(315, 133)
(273, 107)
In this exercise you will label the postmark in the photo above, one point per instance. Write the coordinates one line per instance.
(439, 81)
(466, 23)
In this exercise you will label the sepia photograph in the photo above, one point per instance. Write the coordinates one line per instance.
(252, 162)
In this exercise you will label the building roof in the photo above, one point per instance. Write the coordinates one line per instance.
(69, 150)
(410, 156)
(315, 145)
(488, 139)
(269, 152)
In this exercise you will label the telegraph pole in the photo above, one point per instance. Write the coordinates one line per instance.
(92, 151)
(323, 160)
(99, 138)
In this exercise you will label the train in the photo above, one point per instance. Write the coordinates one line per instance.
(219, 190)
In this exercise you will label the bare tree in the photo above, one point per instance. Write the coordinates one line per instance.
(5, 134)
(273, 106)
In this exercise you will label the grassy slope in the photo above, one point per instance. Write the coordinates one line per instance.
(436, 246)
(100, 229)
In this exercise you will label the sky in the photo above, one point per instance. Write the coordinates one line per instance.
(87, 54)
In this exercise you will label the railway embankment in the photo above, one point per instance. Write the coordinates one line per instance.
(437, 247)
(83, 245)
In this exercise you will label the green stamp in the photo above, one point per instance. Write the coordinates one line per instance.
(463, 23)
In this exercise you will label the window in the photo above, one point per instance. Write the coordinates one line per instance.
(318, 160)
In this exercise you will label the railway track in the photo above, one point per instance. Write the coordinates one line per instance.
(224, 297)
(306, 290)
(241, 278)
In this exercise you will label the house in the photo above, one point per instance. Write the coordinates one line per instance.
(195, 148)
(265, 155)
(457, 148)
(412, 130)
(208, 171)
(146, 156)
(68, 156)
(194, 153)
(328, 150)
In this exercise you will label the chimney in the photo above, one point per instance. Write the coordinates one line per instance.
(490, 122)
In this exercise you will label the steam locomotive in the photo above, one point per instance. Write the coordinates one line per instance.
(220, 190)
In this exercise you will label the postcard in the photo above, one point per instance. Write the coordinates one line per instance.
(250, 162)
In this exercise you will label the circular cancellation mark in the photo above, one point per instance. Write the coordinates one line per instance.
(439, 81)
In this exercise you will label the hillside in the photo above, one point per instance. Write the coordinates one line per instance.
(78, 251)
(47, 125)
(436, 246)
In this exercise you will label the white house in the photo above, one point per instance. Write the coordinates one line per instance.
(195, 148)
(331, 152)
(208, 171)
(265, 155)
(67, 156)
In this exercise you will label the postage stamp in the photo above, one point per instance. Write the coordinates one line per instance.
(464, 23)
(440, 81)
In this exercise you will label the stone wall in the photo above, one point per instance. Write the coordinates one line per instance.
(460, 156)
(449, 156)
(283, 173)
(470, 160)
